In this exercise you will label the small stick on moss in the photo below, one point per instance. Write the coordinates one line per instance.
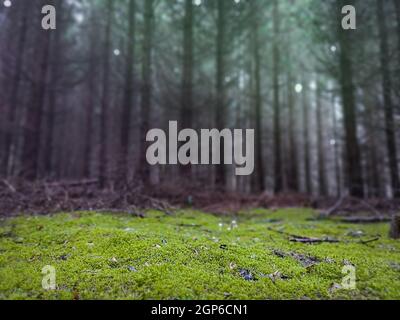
(361, 220)
(313, 240)
(370, 240)
(302, 239)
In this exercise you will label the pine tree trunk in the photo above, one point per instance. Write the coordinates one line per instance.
(278, 185)
(395, 228)
(128, 92)
(187, 81)
(52, 107)
(259, 184)
(353, 154)
(373, 160)
(220, 88)
(146, 90)
(293, 174)
(15, 90)
(336, 151)
(323, 189)
(103, 156)
(306, 141)
(90, 100)
(397, 6)
(34, 116)
(387, 100)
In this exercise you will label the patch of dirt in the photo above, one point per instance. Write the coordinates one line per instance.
(304, 260)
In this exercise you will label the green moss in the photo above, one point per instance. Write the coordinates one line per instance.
(193, 255)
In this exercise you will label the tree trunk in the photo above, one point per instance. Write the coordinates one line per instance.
(306, 141)
(128, 92)
(353, 155)
(397, 73)
(90, 99)
(293, 174)
(220, 87)
(259, 184)
(55, 70)
(146, 87)
(336, 151)
(15, 90)
(374, 185)
(387, 100)
(395, 228)
(33, 124)
(187, 81)
(323, 189)
(397, 5)
(103, 156)
(278, 185)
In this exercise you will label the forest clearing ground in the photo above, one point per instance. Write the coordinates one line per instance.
(194, 255)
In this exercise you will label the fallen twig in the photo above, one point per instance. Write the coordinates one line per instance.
(74, 183)
(376, 212)
(309, 240)
(302, 239)
(159, 205)
(335, 207)
(370, 240)
(116, 211)
(281, 232)
(356, 219)
(339, 205)
(9, 186)
(306, 261)
(313, 240)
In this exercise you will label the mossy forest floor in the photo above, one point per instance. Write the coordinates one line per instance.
(193, 255)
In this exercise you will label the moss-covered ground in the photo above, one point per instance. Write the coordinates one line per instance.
(193, 255)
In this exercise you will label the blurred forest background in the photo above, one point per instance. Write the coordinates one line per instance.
(77, 102)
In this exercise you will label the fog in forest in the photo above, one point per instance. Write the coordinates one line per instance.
(77, 102)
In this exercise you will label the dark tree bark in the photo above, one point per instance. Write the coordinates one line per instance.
(397, 74)
(34, 115)
(374, 189)
(103, 156)
(353, 154)
(323, 188)
(397, 6)
(128, 92)
(259, 184)
(11, 132)
(90, 98)
(146, 90)
(387, 100)
(187, 80)
(52, 107)
(293, 172)
(278, 178)
(220, 112)
(394, 232)
(336, 150)
(306, 140)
